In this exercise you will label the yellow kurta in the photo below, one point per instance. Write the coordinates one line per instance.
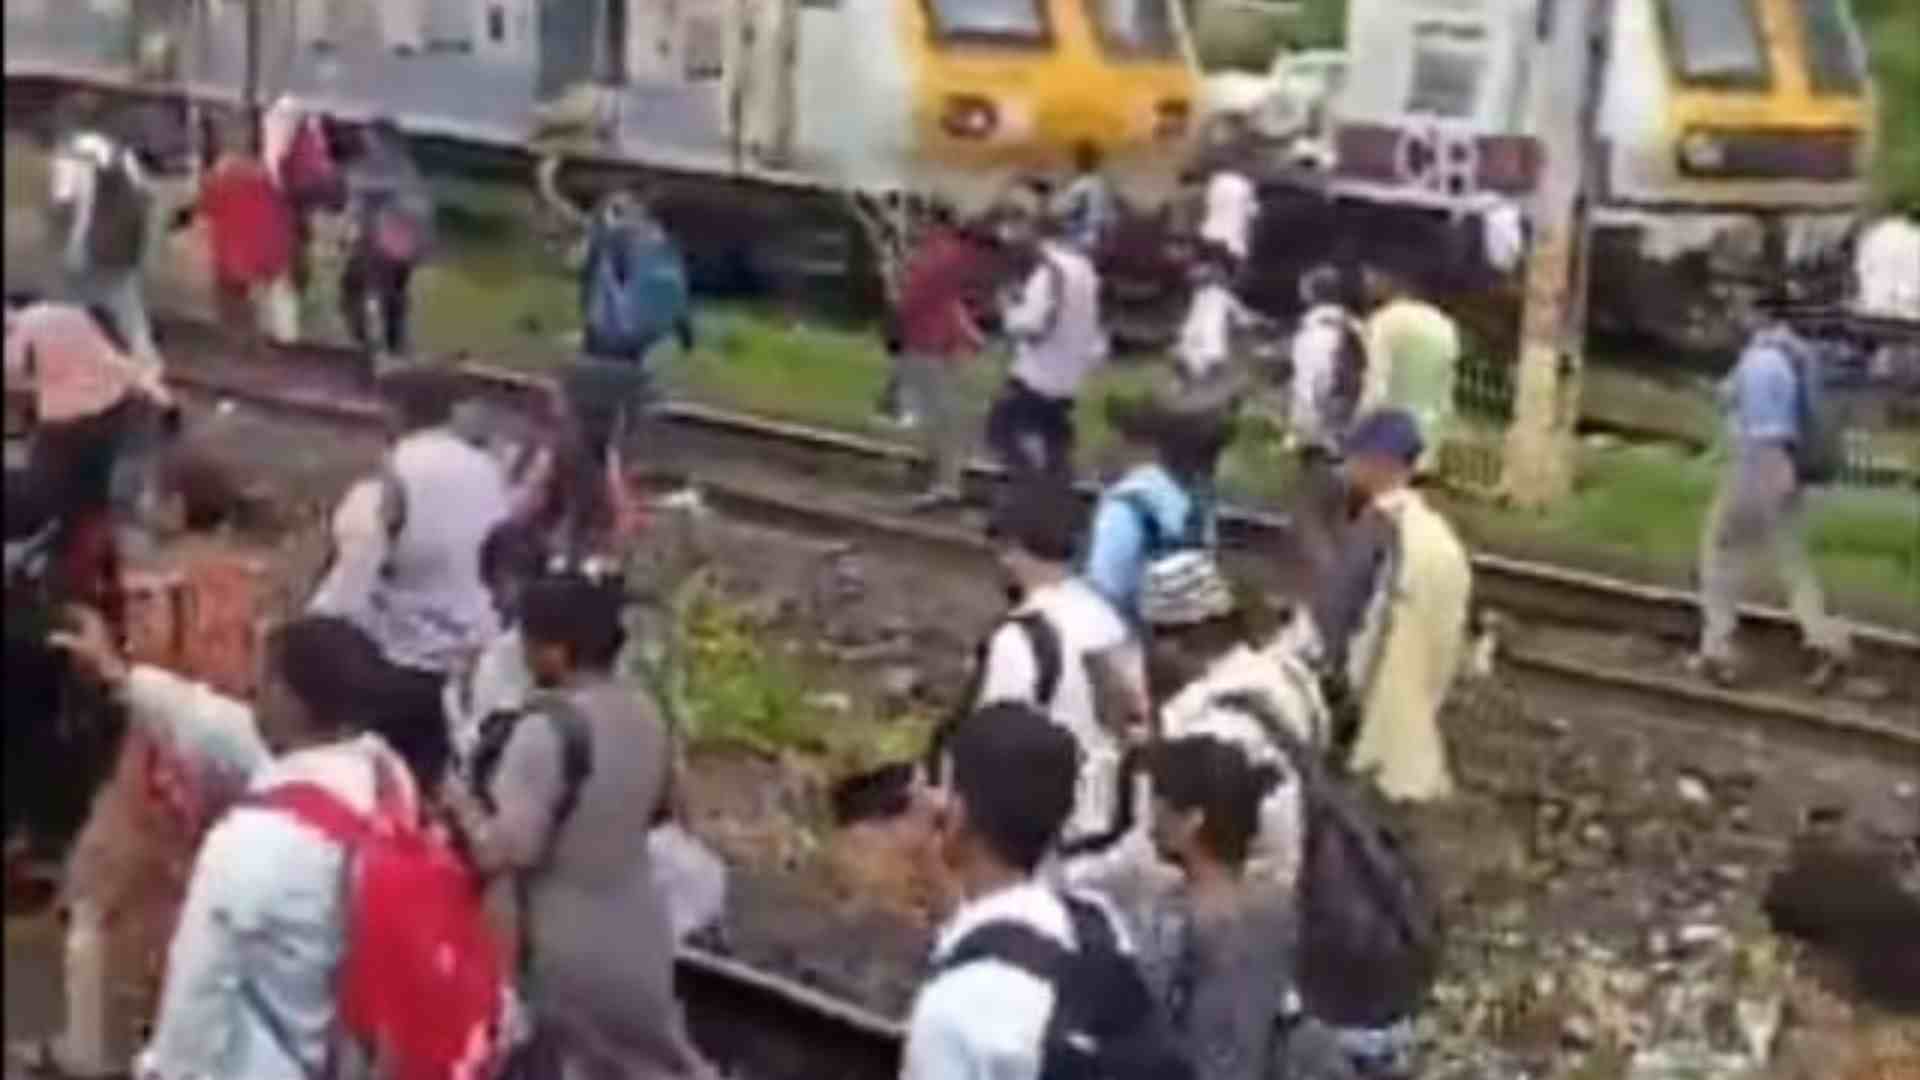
(1423, 612)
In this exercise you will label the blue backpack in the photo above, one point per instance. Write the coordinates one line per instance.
(636, 291)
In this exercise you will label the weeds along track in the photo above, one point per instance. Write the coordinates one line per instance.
(1554, 625)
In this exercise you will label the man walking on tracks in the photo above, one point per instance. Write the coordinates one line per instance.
(633, 295)
(1058, 341)
(1392, 618)
(1781, 443)
(101, 206)
(949, 271)
(392, 214)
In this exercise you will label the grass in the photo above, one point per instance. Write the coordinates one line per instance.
(504, 292)
(734, 682)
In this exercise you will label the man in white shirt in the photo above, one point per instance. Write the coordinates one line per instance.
(1058, 341)
(1063, 650)
(407, 560)
(1213, 314)
(78, 161)
(1232, 204)
(988, 1019)
(249, 977)
(1329, 372)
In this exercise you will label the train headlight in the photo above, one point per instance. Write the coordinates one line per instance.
(967, 116)
(1702, 153)
(1170, 119)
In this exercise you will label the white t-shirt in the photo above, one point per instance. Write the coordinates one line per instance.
(1086, 626)
(1887, 264)
(1316, 355)
(986, 1020)
(1206, 336)
(1232, 204)
(1056, 324)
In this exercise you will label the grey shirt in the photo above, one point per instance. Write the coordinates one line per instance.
(601, 953)
(1228, 982)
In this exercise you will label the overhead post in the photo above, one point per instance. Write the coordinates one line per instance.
(1568, 63)
(251, 99)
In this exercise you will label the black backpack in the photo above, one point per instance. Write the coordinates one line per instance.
(1820, 453)
(1105, 1024)
(1349, 375)
(576, 750)
(1369, 939)
(117, 234)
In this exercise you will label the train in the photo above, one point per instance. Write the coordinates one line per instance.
(838, 99)
(1731, 144)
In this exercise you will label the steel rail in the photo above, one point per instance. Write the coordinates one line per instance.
(1528, 589)
(1822, 726)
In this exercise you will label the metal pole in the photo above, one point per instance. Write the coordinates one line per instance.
(1538, 470)
(252, 98)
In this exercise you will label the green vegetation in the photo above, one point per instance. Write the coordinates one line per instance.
(733, 684)
(1893, 37)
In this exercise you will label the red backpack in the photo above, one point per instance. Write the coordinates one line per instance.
(422, 983)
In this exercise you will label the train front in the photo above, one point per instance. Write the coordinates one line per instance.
(1005, 88)
(1725, 116)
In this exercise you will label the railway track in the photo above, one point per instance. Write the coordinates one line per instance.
(747, 466)
(766, 1027)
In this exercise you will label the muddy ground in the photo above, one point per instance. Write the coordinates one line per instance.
(1600, 873)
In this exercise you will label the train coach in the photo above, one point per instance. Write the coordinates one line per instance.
(930, 97)
(1731, 140)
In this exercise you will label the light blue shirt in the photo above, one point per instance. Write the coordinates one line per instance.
(260, 930)
(1763, 391)
(1118, 555)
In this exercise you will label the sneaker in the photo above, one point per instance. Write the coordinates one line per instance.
(1721, 673)
(1826, 670)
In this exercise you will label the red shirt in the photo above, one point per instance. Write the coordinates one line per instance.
(248, 223)
(942, 276)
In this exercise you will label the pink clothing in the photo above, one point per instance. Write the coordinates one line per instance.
(248, 223)
(72, 368)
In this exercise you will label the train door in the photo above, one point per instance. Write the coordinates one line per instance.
(762, 91)
(569, 45)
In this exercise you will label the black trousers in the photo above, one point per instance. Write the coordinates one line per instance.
(611, 400)
(99, 461)
(1031, 433)
(414, 723)
(369, 277)
(1319, 507)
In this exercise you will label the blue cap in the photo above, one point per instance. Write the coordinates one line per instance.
(1389, 433)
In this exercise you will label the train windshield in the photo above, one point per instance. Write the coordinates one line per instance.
(1138, 28)
(1005, 20)
(1716, 42)
(1833, 56)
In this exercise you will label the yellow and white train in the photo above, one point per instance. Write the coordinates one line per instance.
(1715, 121)
(930, 97)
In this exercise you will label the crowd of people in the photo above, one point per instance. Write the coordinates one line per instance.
(1162, 814)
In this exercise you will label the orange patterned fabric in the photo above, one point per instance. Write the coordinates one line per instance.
(201, 618)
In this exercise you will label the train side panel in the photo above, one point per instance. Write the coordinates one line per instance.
(1769, 141)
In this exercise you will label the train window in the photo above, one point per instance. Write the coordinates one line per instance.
(705, 48)
(1021, 21)
(1833, 55)
(1716, 42)
(1447, 63)
(1136, 28)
